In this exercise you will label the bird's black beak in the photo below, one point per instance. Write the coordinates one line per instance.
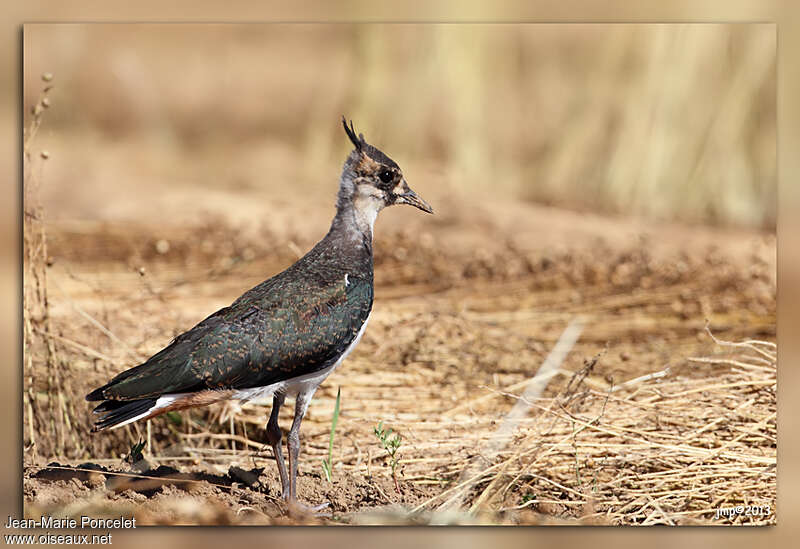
(412, 199)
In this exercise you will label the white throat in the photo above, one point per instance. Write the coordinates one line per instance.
(365, 210)
(366, 215)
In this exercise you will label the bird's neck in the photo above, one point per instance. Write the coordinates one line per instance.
(349, 241)
(356, 221)
(355, 215)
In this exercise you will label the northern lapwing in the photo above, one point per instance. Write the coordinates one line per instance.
(286, 335)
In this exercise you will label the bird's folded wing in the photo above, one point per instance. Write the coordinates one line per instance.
(259, 340)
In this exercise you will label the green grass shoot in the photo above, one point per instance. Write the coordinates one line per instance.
(391, 445)
(327, 465)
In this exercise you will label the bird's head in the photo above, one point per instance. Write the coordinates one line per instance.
(371, 180)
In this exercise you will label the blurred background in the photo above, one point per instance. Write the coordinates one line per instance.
(667, 122)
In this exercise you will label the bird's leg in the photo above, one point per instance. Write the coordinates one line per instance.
(301, 404)
(274, 437)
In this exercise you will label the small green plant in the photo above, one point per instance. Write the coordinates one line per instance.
(391, 446)
(327, 464)
(135, 453)
(527, 497)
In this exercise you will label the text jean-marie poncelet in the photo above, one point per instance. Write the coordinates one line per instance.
(47, 522)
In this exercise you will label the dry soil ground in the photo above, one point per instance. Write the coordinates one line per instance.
(468, 305)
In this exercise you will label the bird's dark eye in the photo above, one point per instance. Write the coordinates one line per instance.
(386, 176)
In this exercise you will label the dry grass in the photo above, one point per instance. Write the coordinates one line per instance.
(671, 447)
(644, 435)
(660, 449)
(665, 450)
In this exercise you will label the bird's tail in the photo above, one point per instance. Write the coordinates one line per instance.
(116, 413)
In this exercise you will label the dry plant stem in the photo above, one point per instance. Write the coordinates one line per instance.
(224, 437)
(655, 375)
(751, 344)
(31, 429)
(36, 307)
(74, 344)
(131, 352)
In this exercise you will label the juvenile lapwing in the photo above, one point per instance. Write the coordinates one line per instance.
(283, 337)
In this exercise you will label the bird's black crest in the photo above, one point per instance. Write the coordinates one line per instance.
(351, 133)
(363, 147)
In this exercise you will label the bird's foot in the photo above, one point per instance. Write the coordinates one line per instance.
(295, 509)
